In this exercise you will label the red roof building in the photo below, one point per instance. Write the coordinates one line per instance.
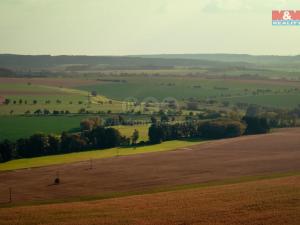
(2, 100)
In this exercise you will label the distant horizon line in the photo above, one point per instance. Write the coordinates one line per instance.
(151, 54)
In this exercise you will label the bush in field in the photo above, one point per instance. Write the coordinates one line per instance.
(135, 136)
(82, 111)
(7, 101)
(38, 112)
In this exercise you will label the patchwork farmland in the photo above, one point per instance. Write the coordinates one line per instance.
(177, 145)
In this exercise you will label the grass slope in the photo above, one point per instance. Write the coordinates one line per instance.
(70, 99)
(96, 154)
(128, 131)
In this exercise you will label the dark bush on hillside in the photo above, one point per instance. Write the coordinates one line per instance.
(72, 143)
(6, 150)
(156, 134)
(54, 143)
(102, 137)
(256, 125)
(221, 129)
(36, 145)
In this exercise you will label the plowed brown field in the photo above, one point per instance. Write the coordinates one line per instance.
(217, 160)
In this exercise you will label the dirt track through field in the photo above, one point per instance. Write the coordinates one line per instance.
(217, 160)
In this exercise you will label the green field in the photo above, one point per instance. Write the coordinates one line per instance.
(15, 127)
(180, 88)
(97, 154)
(279, 100)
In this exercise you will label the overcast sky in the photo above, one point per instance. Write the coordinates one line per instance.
(124, 27)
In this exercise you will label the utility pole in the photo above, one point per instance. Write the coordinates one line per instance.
(91, 164)
(10, 194)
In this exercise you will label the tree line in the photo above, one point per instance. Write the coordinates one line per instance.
(96, 136)
(214, 129)
(47, 144)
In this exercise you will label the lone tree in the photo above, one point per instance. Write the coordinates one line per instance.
(135, 136)
(7, 101)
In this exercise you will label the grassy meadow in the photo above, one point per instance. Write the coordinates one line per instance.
(15, 127)
(96, 154)
(128, 131)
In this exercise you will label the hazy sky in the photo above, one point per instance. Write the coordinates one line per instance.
(121, 27)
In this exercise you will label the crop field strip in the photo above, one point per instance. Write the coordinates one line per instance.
(95, 154)
(37, 96)
(261, 201)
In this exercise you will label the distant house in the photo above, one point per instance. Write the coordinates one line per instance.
(2, 100)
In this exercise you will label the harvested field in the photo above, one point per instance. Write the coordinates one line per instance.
(217, 160)
(274, 201)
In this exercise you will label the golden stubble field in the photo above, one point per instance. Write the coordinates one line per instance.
(265, 202)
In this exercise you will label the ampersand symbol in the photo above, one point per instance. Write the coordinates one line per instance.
(286, 15)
